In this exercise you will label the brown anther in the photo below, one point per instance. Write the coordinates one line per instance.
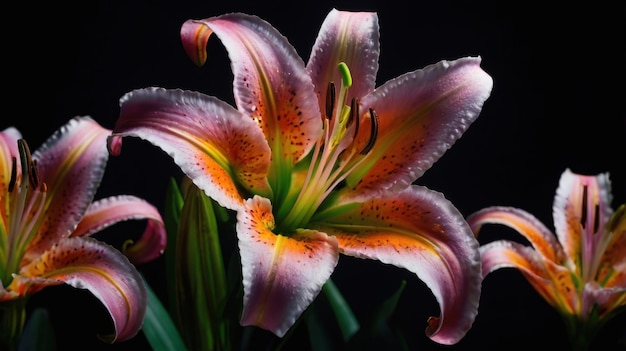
(374, 134)
(354, 116)
(330, 100)
(583, 210)
(28, 165)
(33, 175)
(13, 174)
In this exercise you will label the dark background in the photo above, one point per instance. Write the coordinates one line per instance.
(557, 103)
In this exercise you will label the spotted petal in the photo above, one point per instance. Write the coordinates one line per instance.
(90, 264)
(271, 84)
(419, 230)
(421, 115)
(553, 282)
(281, 275)
(352, 38)
(106, 212)
(213, 144)
(71, 163)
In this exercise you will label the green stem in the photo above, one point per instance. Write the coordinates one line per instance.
(13, 319)
(581, 332)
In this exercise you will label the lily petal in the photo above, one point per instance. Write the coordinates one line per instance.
(421, 115)
(90, 264)
(419, 230)
(8, 150)
(540, 273)
(72, 178)
(281, 275)
(582, 207)
(271, 84)
(213, 144)
(541, 238)
(612, 269)
(605, 300)
(352, 38)
(106, 212)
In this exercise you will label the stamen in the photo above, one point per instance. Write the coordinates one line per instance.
(34, 175)
(330, 100)
(354, 116)
(370, 144)
(28, 165)
(13, 174)
(583, 215)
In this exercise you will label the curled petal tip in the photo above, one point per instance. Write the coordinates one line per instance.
(195, 35)
(151, 245)
(433, 325)
(114, 145)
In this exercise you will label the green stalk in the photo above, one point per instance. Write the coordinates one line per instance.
(12, 320)
(171, 216)
(201, 289)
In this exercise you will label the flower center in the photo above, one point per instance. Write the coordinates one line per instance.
(336, 155)
(26, 202)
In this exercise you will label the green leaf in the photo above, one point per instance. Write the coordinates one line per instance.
(348, 323)
(158, 327)
(376, 332)
(38, 334)
(386, 309)
(319, 336)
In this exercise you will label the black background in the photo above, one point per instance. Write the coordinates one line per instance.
(557, 103)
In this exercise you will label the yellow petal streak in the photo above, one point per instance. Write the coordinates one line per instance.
(281, 275)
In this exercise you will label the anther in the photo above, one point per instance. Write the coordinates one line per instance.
(583, 210)
(13, 174)
(330, 100)
(28, 165)
(354, 116)
(374, 134)
(34, 174)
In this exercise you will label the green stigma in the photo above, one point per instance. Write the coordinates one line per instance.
(346, 78)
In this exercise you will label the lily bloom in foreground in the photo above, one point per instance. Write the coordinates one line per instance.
(47, 218)
(581, 271)
(317, 161)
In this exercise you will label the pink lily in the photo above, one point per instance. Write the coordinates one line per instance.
(47, 218)
(317, 161)
(580, 271)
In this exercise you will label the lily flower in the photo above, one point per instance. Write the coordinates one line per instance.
(580, 271)
(47, 219)
(319, 162)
